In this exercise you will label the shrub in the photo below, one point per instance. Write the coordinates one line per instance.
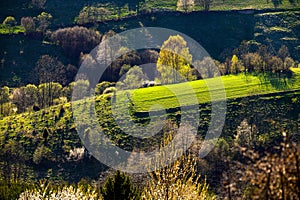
(28, 24)
(43, 21)
(177, 181)
(102, 86)
(180, 179)
(11, 190)
(109, 90)
(119, 187)
(44, 190)
(41, 153)
(10, 21)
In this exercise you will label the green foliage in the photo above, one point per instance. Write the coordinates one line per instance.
(82, 89)
(236, 65)
(100, 87)
(91, 14)
(43, 20)
(9, 26)
(134, 78)
(9, 21)
(119, 187)
(4, 97)
(9, 191)
(40, 153)
(174, 61)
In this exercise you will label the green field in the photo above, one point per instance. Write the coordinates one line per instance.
(235, 86)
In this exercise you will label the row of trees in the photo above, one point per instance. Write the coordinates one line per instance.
(261, 60)
(35, 97)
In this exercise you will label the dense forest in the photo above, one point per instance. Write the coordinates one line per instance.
(247, 149)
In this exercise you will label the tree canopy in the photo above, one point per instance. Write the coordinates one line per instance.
(174, 61)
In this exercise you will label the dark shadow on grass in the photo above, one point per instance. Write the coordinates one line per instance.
(279, 81)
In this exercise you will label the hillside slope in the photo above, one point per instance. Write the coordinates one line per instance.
(46, 138)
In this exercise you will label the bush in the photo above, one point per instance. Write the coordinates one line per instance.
(41, 153)
(11, 190)
(10, 21)
(28, 24)
(102, 86)
(177, 181)
(44, 190)
(43, 21)
(119, 187)
(109, 90)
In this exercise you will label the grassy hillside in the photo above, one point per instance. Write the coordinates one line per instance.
(235, 86)
(53, 130)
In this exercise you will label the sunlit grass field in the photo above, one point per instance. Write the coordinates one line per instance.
(213, 89)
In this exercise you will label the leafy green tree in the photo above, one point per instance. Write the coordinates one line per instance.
(4, 97)
(124, 69)
(48, 92)
(174, 60)
(92, 14)
(134, 78)
(9, 21)
(82, 87)
(100, 87)
(207, 67)
(236, 65)
(43, 20)
(31, 92)
(119, 187)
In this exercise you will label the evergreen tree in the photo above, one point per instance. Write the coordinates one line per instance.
(119, 187)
